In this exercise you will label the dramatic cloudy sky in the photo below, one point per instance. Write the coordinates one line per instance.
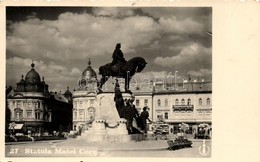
(60, 41)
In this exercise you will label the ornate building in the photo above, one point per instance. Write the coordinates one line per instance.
(189, 102)
(32, 108)
(28, 103)
(185, 102)
(84, 99)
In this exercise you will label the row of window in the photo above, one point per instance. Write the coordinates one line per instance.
(90, 111)
(137, 102)
(19, 114)
(177, 102)
(81, 103)
(19, 104)
(166, 115)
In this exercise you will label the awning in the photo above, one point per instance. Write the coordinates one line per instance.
(16, 126)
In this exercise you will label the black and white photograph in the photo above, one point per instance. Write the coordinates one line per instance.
(133, 80)
(108, 81)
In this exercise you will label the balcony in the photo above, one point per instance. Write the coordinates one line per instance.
(182, 107)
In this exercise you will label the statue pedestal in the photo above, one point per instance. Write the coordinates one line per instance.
(108, 126)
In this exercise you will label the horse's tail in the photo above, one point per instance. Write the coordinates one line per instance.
(101, 71)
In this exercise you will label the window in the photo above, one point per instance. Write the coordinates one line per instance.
(18, 104)
(137, 102)
(200, 101)
(208, 101)
(81, 113)
(18, 114)
(159, 117)
(75, 114)
(75, 104)
(145, 102)
(80, 102)
(165, 102)
(37, 114)
(176, 102)
(189, 101)
(91, 102)
(159, 102)
(29, 114)
(182, 102)
(39, 104)
(29, 104)
(166, 115)
(91, 112)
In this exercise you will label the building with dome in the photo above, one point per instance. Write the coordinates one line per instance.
(32, 108)
(84, 99)
(188, 102)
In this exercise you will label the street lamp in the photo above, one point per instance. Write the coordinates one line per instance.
(12, 125)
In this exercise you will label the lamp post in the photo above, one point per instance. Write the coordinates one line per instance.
(12, 125)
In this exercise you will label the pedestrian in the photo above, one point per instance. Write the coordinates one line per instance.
(144, 116)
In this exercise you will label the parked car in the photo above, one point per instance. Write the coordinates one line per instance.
(19, 134)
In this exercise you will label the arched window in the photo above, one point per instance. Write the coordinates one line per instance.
(200, 101)
(166, 102)
(189, 101)
(91, 112)
(18, 113)
(208, 101)
(176, 102)
(182, 102)
(159, 102)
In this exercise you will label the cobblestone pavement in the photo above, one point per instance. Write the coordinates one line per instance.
(77, 147)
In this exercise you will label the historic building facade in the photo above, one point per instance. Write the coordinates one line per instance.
(32, 108)
(84, 99)
(188, 102)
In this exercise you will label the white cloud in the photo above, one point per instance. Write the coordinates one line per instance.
(113, 11)
(188, 55)
(52, 72)
(200, 72)
(78, 36)
(186, 26)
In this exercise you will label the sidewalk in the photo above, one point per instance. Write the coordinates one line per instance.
(147, 145)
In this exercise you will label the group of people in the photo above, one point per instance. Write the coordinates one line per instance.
(127, 110)
(130, 113)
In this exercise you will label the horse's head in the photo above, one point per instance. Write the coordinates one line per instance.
(140, 63)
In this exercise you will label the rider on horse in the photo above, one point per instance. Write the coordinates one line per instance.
(118, 57)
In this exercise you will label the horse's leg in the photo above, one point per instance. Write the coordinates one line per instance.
(102, 82)
(104, 79)
(127, 82)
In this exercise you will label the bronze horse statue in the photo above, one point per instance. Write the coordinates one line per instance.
(136, 64)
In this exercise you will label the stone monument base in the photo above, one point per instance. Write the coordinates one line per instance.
(108, 126)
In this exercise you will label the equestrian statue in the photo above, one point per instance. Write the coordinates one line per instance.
(120, 68)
